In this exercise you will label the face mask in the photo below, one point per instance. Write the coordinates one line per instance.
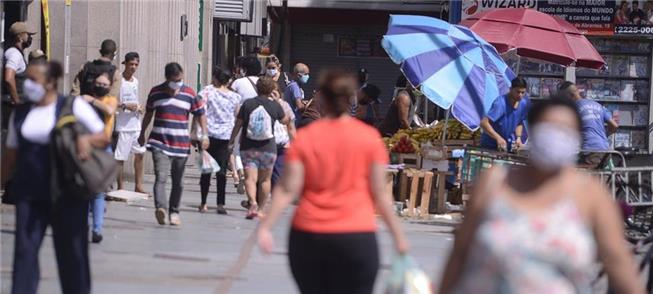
(34, 92)
(304, 79)
(553, 147)
(175, 85)
(271, 72)
(100, 91)
(27, 43)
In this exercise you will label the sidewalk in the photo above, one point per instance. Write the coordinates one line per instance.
(209, 253)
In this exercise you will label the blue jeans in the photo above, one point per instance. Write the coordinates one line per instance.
(97, 208)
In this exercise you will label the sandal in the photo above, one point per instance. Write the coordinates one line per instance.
(203, 208)
(253, 212)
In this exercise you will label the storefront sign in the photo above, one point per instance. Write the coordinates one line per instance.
(593, 17)
(360, 47)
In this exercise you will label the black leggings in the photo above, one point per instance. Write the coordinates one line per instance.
(220, 152)
(333, 263)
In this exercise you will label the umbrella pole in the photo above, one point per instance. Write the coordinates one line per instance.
(444, 128)
(426, 110)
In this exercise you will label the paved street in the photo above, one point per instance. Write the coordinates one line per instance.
(209, 253)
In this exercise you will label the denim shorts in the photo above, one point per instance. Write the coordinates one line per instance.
(253, 159)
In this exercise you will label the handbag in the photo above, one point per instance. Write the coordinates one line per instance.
(71, 175)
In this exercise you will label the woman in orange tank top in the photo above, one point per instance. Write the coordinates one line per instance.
(337, 165)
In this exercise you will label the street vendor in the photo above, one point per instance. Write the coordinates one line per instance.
(402, 109)
(595, 118)
(504, 123)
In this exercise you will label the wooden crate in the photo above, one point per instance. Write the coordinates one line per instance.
(432, 183)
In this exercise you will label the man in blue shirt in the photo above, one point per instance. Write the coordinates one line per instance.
(505, 120)
(594, 117)
(294, 94)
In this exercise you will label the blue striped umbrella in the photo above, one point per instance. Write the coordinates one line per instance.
(450, 64)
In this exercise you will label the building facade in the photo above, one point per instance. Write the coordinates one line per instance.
(161, 31)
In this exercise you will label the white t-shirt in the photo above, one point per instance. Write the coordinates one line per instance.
(41, 119)
(126, 120)
(15, 60)
(244, 87)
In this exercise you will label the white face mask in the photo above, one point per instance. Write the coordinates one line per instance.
(175, 85)
(34, 92)
(271, 72)
(553, 147)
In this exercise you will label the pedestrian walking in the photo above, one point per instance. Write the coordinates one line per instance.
(19, 39)
(504, 124)
(170, 104)
(83, 82)
(128, 123)
(283, 135)
(294, 94)
(28, 150)
(337, 167)
(539, 228)
(595, 117)
(105, 105)
(273, 70)
(256, 119)
(245, 86)
(221, 107)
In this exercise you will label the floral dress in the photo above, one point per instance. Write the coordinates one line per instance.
(551, 251)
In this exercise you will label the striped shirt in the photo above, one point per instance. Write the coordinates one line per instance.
(170, 131)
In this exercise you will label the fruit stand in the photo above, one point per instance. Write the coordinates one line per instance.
(424, 166)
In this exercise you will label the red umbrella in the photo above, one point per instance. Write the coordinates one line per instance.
(537, 35)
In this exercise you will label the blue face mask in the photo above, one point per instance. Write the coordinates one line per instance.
(304, 78)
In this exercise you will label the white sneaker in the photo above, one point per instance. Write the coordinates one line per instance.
(174, 219)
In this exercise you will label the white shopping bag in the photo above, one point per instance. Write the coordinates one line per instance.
(407, 278)
(206, 163)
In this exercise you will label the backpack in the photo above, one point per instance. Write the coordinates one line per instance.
(91, 71)
(70, 175)
(260, 125)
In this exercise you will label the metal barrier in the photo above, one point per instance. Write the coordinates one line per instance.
(629, 184)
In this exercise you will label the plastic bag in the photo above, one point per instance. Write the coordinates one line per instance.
(206, 163)
(407, 278)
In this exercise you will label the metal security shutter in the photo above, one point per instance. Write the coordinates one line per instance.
(254, 28)
(317, 46)
(233, 10)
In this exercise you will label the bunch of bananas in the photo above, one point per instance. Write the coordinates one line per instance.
(455, 131)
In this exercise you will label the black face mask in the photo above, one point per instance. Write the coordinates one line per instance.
(100, 91)
(27, 43)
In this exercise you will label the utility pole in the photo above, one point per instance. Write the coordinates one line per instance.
(66, 46)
